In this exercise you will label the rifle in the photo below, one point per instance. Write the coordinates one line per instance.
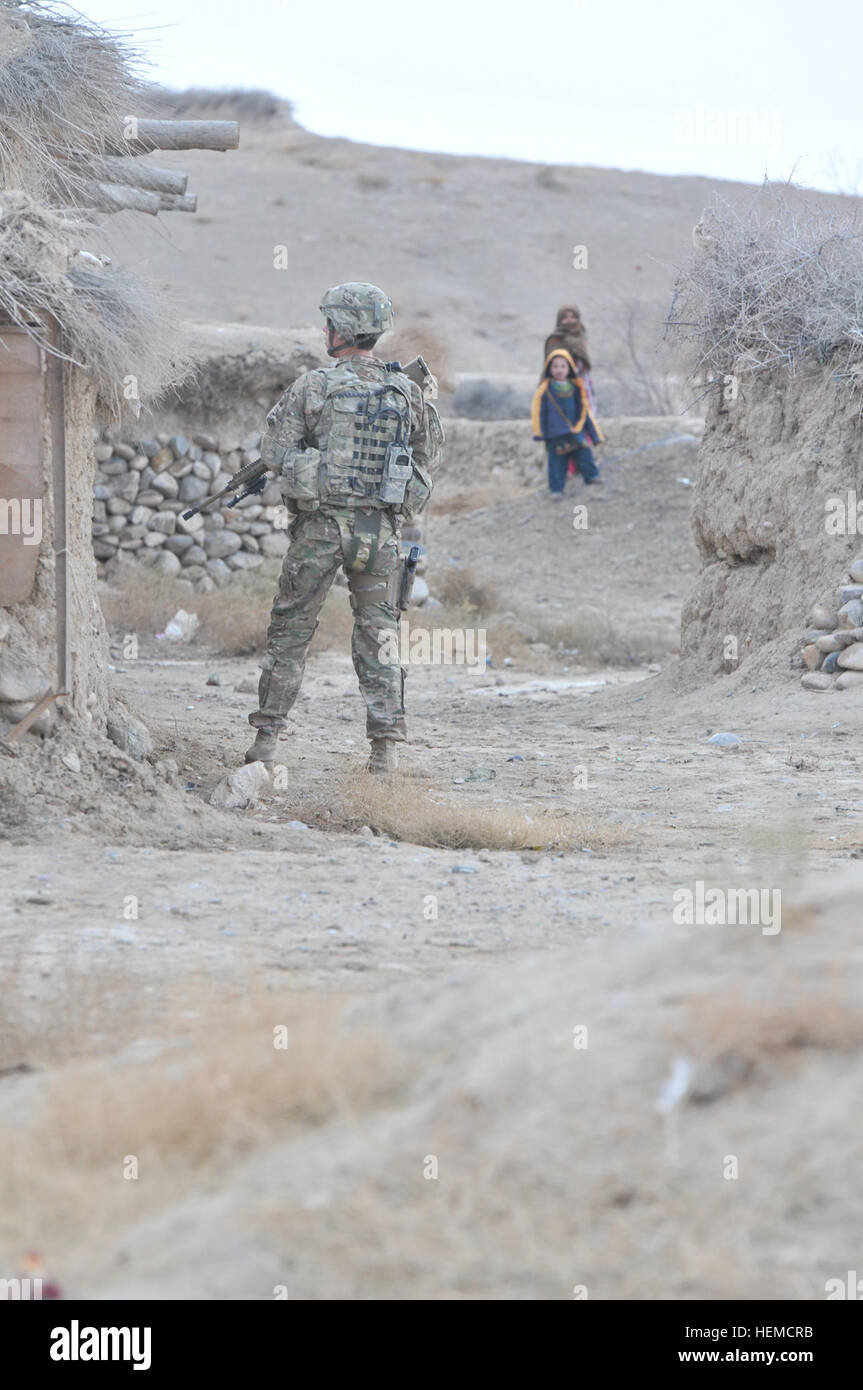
(247, 481)
(407, 580)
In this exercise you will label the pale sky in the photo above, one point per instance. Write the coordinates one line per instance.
(731, 89)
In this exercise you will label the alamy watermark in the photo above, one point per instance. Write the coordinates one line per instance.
(21, 516)
(438, 646)
(721, 907)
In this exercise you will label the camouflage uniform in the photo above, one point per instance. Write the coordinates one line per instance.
(365, 540)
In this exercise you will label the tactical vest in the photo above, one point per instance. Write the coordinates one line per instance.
(364, 428)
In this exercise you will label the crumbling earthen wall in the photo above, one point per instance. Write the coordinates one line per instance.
(774, 465)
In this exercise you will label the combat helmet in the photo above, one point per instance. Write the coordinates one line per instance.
(357, 310)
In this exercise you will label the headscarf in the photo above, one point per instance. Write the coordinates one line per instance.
(573, 337)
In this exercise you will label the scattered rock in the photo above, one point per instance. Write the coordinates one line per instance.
(241, 788)
(851, 658)
(182, 626)
(129, 734)
(812, 657)
(247, 686)
(847, 680)
(816, 680)
(214, 678)
(20, 682)
(724, 740)
(481, 774)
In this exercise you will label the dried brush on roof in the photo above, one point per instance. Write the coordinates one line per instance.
(66, 87)
(778, 284)
(117, 328)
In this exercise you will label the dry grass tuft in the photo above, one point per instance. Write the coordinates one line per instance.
(232, 621)
(460, 589)
(216, 1088)
(774, 285)
(398, 807)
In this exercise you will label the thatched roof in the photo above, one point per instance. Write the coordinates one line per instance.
(69, 152)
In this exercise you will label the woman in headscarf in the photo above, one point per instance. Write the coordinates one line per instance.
(571, 334)
(562, 418)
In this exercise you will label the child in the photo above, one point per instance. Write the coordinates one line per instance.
(563, 420)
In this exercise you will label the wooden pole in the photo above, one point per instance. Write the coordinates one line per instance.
(133, 174)
(116, 197)
(183, 202)
(145, 135)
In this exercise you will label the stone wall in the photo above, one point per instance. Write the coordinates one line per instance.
(142, 487)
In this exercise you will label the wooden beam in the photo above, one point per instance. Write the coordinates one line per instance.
(145, 135)
(111, 169)
(117, 197)
(179, 202)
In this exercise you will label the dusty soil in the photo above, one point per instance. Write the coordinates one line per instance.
(149, 954)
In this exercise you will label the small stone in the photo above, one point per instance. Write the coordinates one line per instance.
(241, 788)
(823, 617)
(816, 680)
(247, 686)
(275, 544)
(851, 658)
(180, 545)
(153, 539)
(21, 682)
(850, 614)
(165, 522)
(812, 657)
(206, 441)
(366, 832)
(463, 869)
(166, 564)
(724, 740)
(194, 489)
(218, 572)
(180, 445)
(124, 451)
(830, 662)
(196, 555)
(70, 760)
(129, 734)
(481, 774)
(221, 544)
(829, 643)
(102, 453)
(149, 447)
(849, 679)
(162, 460)
(113, 467)
(296, 824)
(214, 678)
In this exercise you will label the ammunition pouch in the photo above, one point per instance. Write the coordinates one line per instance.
(417, 492)
(300, 475)
(396, 475)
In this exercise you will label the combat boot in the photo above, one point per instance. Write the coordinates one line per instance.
(263, 750)
(384, 759)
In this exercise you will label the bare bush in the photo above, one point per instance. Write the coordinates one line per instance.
(637, 380)
(459, 588)
(773, 285)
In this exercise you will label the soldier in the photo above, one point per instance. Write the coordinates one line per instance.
(354, 445)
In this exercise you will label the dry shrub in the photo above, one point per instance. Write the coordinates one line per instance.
(774, 284)
(231, 621)
(66, 89)
(222, 1089)
(762, 1032)
(113, 324)
(372, 182)
(396, 807)
(459, 588)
